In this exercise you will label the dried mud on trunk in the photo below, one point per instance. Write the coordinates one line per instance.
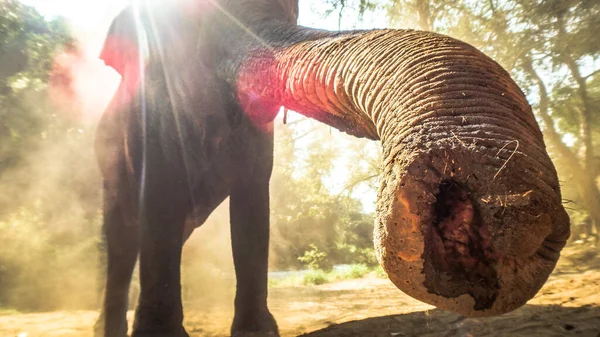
(569, 304)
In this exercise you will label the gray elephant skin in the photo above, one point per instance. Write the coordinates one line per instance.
(469, 214)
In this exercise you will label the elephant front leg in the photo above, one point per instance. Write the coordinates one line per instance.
(160, 312)
(120, 236)
(249, 208)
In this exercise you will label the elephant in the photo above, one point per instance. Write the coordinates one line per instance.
(468, 217)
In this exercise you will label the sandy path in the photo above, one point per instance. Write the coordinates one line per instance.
(569, 304)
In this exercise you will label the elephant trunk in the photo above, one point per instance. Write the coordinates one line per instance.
(469, 214)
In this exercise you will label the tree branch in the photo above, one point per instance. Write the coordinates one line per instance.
(350, 187)
(585, 127)
(305, 134)
(544, 112)
(492, 6)
(592, 74)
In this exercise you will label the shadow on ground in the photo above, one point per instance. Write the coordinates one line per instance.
(531, 320)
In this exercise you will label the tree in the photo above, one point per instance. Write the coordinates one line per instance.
(307, 215)
(50, 195)
(28, 46)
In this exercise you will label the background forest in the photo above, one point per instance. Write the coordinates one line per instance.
(324, 182)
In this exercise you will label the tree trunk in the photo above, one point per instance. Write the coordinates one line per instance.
(584, 178)
(590, 197)
(423, 8)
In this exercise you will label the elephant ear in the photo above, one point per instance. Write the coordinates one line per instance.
(120, 50)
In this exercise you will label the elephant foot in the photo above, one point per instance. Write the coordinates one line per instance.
(257, 325)
(255, 334)
(99, 329)
(179, 332)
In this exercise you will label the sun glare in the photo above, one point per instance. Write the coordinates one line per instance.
(93, 82)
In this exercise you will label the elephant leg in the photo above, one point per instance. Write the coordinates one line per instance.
(120, 240)
(249, 207)
(160, 311)
(249, 214)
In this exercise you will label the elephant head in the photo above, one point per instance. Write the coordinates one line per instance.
(469, 213)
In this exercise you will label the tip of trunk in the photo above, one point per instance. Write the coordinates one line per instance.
(452, 233)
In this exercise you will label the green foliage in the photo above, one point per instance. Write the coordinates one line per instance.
(313, 258)
(379, 272)
(315, 277)
(319, 276)
(352, 272)
(309, 220)
(28, 46)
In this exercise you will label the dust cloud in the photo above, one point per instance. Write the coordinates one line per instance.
(50, 199)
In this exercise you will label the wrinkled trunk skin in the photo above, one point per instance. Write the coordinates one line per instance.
(469, 214)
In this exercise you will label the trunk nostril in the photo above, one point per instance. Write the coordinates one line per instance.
(459, 257)
(453, 211)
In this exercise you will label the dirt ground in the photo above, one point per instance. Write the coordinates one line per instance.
(569, 304)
